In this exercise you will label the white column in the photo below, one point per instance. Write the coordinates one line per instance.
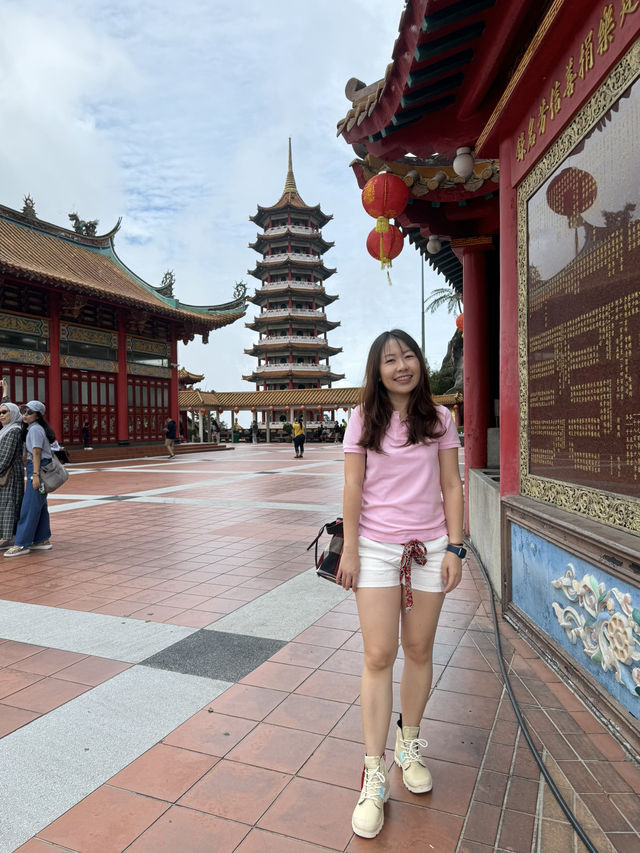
(201, 426)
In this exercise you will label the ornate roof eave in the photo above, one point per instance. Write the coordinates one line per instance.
(321, 323)
(449, 62)
(285, 398)
(264, 212)
(96, 241)
(320, 296)
(200, 322)
(33, 258)
(311, 239)
(433, 183)
(191, 378)
(268, 345)
(319, 268)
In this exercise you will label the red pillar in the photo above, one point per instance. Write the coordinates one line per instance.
(509, 381)
(174, 410)
(54, 401)
(476, 363)
(122, 406)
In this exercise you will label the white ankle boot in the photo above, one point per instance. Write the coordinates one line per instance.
(415, 775)
(368, 815)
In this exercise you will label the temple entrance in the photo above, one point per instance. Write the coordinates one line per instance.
(148, 404)
(88, 397)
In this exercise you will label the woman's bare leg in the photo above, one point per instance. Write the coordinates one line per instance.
(378, 610)
(418, 634)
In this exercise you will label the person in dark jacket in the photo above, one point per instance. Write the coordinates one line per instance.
(170, 429)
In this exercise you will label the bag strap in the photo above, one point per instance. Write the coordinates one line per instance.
(332, 527)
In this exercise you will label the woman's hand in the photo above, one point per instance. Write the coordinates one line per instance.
(35, 481)
(451, 571)
(347, 576)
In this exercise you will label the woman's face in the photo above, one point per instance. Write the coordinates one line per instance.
(399, 368)
(4, 415)
(29, 417)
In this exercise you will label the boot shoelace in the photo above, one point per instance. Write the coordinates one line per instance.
(373, 784)
(411, 749)
(413, 550)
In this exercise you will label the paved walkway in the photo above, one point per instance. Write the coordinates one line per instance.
(173, 677)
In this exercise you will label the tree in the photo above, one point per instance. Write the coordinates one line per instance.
(444, 297)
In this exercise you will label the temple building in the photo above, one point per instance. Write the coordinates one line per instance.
(292, 347)
(515, 127)
(88, 337)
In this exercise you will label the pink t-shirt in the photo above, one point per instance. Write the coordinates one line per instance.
(401, 498)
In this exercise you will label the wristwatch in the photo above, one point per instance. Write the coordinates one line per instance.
(458, 550)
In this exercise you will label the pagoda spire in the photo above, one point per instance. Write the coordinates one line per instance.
(290, 183)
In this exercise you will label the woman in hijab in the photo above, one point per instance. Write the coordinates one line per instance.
(10, 466)
(33, 530)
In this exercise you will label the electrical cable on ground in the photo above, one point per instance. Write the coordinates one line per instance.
(573, 820)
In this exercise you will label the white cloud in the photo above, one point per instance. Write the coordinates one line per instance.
(176, 116)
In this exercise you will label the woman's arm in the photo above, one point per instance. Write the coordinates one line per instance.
(354, 464)
(37, 454)
(451, 487)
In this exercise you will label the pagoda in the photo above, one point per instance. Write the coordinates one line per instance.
(292, 347)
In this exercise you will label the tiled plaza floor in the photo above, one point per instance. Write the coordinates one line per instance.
(174, 678)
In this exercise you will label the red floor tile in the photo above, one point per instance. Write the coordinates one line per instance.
(252, 703)
(45, 695)
(105, 822)
(329, 824)
(14, 718)
(164, 772)
(307, 713)
(279, 676)
(211, 733)
(275, 748)
(92, 670)
(188, 831)
(238, 792)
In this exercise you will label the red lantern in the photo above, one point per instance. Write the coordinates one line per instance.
(385, 195)
(270, 409)
(344, 409)
(220, 411)
(253, 410)
(203, 411)
(236, 410)
(459, 322)
(384, 246)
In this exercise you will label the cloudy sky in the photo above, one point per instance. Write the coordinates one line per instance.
(176, 117)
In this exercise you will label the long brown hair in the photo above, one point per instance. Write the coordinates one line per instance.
(423, 421)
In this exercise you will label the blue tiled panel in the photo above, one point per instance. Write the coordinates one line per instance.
(536, 563)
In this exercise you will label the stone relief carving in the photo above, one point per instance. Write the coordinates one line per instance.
(610, 637)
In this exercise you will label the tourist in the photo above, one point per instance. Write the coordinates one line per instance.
(170, 428)
(33, 532)
(215, 431)
(298, 437)
(402, 503)
(86, 436)
(254, 432)
(11, 465)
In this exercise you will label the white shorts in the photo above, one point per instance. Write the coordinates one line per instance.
(380, 564)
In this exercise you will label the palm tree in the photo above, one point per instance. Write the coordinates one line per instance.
(444, 297)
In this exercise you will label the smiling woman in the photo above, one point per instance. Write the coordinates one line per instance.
(402, 506)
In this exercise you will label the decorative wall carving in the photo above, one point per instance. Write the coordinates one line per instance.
(24, 356)
(610, 637)
(27, 325)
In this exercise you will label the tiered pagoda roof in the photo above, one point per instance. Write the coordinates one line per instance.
(291, 296)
